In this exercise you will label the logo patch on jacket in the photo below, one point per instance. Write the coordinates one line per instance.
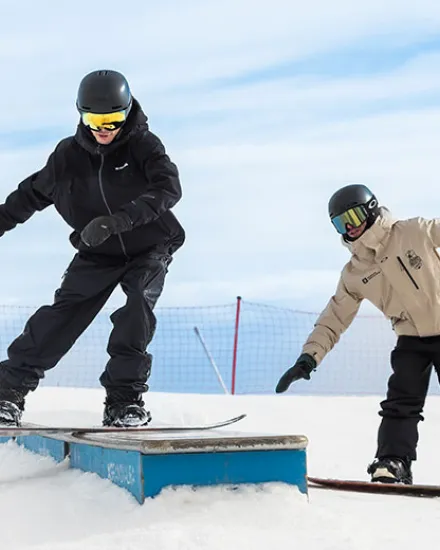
(414, 260)
(369, 277)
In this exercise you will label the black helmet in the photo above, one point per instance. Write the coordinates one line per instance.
(358, 204)
(103, 92)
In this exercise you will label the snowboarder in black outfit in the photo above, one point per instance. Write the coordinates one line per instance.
(114, 184)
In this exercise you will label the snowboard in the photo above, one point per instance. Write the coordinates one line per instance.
(379, 488)
(32, 429)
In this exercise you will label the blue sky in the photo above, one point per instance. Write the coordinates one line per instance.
(266, 107)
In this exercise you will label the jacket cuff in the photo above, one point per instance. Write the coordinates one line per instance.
(313, 352)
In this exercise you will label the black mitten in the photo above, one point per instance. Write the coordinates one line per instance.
(301, 369)
(101, 228)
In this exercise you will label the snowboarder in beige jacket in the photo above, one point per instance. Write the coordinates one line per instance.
(394, 264)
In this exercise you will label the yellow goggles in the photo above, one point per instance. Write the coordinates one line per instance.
(354, 217)
(106, 121)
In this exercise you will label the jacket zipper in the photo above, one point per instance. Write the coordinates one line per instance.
(407, 272)
(101, 188)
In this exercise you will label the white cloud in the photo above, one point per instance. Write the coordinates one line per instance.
(258, 160)
(172, 45)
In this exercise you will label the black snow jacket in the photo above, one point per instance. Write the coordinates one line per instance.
(83, 180)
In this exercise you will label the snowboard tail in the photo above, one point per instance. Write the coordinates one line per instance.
(376, 487)
(32, 429)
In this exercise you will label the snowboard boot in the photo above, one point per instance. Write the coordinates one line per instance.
(11, 408)
(125, 410)
(391, 469)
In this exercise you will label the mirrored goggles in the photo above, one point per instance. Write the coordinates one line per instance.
(354, 217)
(106, 121)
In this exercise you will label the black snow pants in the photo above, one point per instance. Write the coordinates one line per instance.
(412, 361)
(87, 284)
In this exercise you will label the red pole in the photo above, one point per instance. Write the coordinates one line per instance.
(234, 353)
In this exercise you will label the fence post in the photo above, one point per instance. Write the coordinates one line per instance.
(234, 353)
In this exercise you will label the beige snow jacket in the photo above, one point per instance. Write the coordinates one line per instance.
(395, 266)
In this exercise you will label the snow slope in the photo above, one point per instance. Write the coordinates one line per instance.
(47, 506)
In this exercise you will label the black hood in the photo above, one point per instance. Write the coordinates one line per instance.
(137, 121)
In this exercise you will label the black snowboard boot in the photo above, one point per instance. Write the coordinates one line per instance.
(11, 408)
(125, 410)
(391, 469)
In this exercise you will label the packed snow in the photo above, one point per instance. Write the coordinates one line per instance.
(48, 506)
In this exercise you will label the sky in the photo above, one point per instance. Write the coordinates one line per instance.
(48, 506)
(267, 108)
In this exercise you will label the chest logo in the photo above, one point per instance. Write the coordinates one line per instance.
(121, 167)
(414, 260)
(369, 277)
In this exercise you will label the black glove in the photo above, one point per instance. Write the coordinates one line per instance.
(301, 369)
(101, 228)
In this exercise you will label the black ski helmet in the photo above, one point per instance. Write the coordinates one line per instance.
(351, 196)
(103, 92)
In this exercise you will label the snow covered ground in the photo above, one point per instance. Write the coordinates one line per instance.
(47, 506)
